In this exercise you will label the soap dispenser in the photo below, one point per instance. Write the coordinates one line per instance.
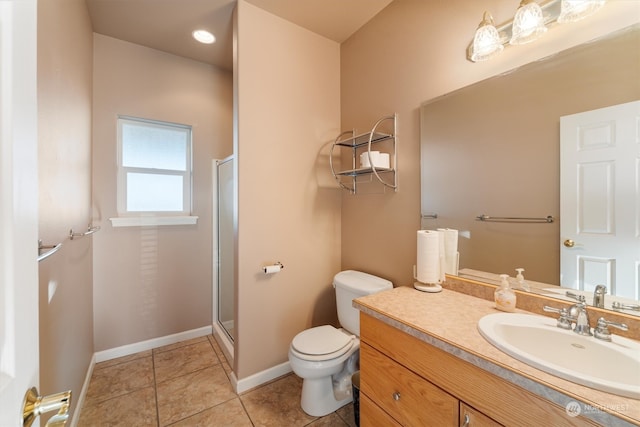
(504, 296)
(520, 279)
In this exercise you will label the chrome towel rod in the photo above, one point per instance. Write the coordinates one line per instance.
(90, 230)
(483, 217)
(50, 250)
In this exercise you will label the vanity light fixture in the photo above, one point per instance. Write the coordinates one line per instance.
(529, 23)
(204, 36)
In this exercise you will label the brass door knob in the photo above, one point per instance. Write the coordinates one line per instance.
(569, 243)
(34, 405)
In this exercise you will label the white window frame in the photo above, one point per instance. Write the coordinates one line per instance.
(141, 218)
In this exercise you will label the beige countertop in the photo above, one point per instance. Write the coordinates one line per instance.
(448, 320)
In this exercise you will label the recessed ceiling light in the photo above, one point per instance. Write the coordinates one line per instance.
(204, 36)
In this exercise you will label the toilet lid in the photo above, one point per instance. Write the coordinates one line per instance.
(321, 340)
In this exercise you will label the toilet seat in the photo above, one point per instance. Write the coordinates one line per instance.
(321, 343)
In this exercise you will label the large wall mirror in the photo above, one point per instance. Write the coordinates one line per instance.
(493, 148)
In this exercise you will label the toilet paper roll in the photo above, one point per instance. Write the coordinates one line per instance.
(428, 262)
(271, 269)
(450, 250)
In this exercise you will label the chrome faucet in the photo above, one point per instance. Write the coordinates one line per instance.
(577, 314)
(581, 318)
(598, 296)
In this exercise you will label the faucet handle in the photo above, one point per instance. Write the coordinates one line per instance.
(564, 321)
(577, 297)
(602, 331)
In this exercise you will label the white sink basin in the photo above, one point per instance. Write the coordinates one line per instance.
(613, 367)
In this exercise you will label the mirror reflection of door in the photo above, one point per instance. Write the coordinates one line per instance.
(600, 199)
(225, 247)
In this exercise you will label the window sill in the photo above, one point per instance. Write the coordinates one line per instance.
(141, 221)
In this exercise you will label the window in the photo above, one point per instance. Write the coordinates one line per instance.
(154, 168)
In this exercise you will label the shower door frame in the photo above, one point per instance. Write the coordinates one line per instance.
(221, 335)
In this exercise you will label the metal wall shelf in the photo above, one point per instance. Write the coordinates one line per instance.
(361, 143)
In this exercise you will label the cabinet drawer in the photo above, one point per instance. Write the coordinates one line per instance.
(469, 417)
(372, 416)
(409, 399)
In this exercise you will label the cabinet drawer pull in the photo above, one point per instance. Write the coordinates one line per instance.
(396, 396)
(466, 422)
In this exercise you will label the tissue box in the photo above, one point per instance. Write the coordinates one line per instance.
(380, 160)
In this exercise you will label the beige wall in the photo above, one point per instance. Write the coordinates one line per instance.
(288, 113)
(151, 282)
(411, 52)
(64, 151)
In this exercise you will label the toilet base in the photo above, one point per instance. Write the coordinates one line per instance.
(318, 398)
(322, 396)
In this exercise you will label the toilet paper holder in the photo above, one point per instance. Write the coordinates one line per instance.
(273, 268)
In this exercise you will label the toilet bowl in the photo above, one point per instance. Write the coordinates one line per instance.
(325, 357)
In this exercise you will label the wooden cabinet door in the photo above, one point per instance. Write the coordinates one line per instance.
(408, 398)
(372, 416)
(469, 417)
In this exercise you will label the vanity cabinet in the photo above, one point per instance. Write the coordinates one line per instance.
(349, 177)
(406, 381)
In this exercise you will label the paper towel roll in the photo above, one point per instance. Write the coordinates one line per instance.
(450, 250)
(428, 263)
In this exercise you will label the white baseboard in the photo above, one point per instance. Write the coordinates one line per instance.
(128, 349)
(255, 380)
(75, 417)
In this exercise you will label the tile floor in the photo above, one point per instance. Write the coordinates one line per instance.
(187, 384)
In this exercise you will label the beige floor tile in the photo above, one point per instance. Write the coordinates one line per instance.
(331, 420)
(277, 404)
(137, 408)
(228, 414)
(346, 413)
(179, 344)
(123, 378)
(119, 360)
(190, 394)
(184, 360)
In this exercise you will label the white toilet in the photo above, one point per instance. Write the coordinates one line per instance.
(325, 357)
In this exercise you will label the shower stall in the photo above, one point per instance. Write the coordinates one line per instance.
(223, 255)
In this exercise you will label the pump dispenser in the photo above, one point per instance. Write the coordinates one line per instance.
(521, 283)
(504, 296)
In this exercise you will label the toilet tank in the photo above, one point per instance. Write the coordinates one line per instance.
(352, 284)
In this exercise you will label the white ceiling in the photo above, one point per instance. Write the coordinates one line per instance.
(166, 25)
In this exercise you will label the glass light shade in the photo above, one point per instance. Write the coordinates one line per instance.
(575, 10)
(528, 24)
(486, 42)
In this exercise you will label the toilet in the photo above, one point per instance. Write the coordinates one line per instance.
(325, 357)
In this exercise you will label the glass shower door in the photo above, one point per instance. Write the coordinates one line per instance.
(225, 256)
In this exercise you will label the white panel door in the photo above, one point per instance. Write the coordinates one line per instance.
(18, 208)
(600, 199)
